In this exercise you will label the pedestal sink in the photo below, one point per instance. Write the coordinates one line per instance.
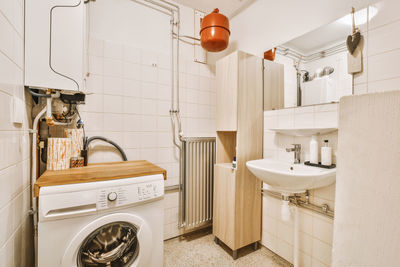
(288, 178)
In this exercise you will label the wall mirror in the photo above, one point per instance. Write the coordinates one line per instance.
(311, 69)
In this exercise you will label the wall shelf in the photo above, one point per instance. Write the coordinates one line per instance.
(304, 131)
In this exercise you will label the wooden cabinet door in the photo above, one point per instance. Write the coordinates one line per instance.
(224, 204)
(227, 89)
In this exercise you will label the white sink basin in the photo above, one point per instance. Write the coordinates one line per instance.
(290, 178)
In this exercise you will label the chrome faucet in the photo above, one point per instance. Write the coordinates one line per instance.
(297, 151)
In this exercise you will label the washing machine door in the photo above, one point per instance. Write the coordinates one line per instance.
(114, 240)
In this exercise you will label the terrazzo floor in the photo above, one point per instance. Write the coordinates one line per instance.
(200, 250)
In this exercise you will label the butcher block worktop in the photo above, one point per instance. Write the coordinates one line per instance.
(98, 172)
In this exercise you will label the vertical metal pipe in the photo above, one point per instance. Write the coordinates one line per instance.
(298, 88)
(177, 68)
(201, 180)
(182, 185)
(172, 65)
(196, 162)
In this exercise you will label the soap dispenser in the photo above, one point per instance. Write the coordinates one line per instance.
(314, 150)
(234, 163)
(326, 154)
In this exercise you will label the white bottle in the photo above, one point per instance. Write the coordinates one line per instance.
(314, 150)
(326, 154)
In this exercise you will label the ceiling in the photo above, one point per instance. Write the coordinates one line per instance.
(328, 35)
(229, 8)
(268, 23)
(320, 38)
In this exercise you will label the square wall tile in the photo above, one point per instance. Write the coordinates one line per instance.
(323, 229)
(112, 85)
(113, 67)
(384, 39)
(383, 66)
(132, 54)
(96, 47)
(113, 50)
(322, 251)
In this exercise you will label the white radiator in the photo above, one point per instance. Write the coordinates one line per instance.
(197, 177)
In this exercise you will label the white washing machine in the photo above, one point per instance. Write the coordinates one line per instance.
(109, 223)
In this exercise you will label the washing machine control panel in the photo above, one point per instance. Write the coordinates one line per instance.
(129, 194)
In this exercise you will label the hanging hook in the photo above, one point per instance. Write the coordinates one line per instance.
(355, 29)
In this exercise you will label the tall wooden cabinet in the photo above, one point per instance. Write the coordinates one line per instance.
(239, 121)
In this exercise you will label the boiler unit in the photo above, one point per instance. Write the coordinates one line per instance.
(54, 44)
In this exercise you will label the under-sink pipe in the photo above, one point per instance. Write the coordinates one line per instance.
(286, 213)
(33, 210)
(295, 211)
(323, 209)
(285, 208)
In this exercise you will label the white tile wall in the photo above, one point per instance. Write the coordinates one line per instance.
(315, 230)
(15, 224)
(139, 102)
(131, 99)
(382, 50)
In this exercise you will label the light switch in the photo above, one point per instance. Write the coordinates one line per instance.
(18, 110)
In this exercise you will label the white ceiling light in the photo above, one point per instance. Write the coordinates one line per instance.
(360, 16)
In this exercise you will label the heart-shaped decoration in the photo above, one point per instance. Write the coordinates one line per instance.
(353, 41)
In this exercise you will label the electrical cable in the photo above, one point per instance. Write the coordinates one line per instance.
(87, 142)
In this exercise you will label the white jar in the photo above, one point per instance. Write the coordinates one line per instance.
(326, 154)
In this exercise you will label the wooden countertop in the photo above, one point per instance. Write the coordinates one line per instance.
(98, 172)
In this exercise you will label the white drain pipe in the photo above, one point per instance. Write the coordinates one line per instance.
(286, 213)
(296, 237)
(33, 210)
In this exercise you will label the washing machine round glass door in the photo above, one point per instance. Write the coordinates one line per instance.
(115, 240)
(113, 244)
